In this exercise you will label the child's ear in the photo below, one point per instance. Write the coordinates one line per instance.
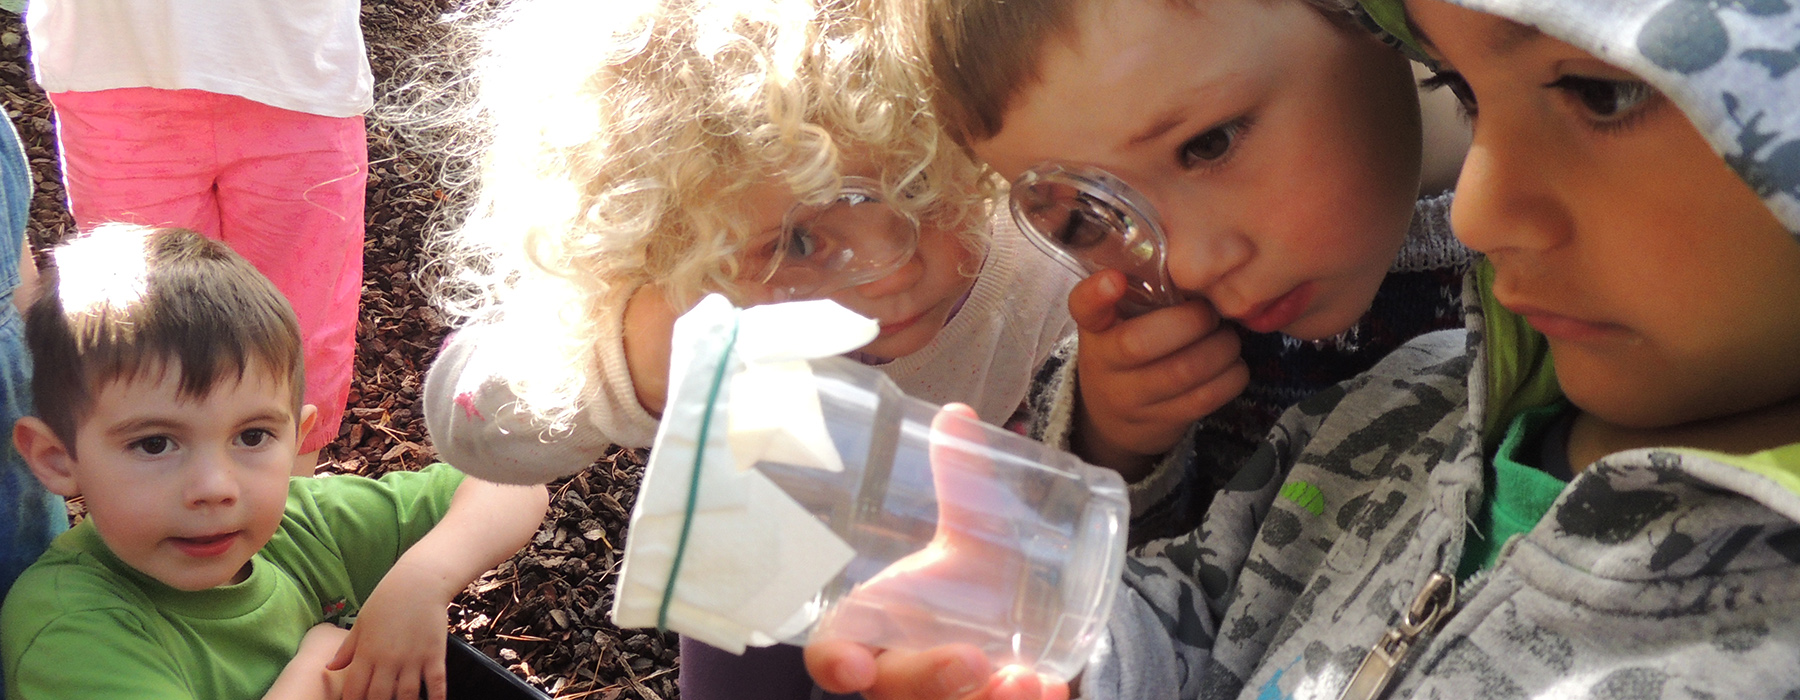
(309, 414)
(48, 457)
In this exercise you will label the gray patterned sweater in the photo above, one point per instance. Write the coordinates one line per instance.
(1419, 295)
(1657, 573)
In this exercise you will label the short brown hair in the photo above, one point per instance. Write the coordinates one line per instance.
(983, 52)
(125, 300)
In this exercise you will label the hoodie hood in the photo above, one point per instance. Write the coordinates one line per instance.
(1730, 65)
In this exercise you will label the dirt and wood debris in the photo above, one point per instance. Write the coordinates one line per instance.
(543, 613)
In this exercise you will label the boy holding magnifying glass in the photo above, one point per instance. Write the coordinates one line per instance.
(1253, 165)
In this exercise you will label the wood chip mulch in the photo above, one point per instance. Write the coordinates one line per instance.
(543, 613)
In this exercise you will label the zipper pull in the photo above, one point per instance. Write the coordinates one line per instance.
(1428, 612)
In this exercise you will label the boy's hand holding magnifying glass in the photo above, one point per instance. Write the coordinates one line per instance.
(1151, 363)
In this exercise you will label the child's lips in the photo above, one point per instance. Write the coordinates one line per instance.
(900, 325)
(206, 546)
(1279, 313)
(1564, 328)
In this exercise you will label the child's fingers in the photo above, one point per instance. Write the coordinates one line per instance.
(1161, 414)
(977, 514)
(436, 682)
(1186, 381)
(334, 684)
(1126, 416)
(1020, 683)
(1195, 367)
(345, 654)
(405, 686)
(1093, 302)
(382, 686)
(942, 673)
(1015, 683)
(1205, 396)
(1121, 390)
(356, 682)
(840, 666)
(962, 473)
(1160, 333)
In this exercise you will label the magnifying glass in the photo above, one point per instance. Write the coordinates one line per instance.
(853, 239)
(1089, 221)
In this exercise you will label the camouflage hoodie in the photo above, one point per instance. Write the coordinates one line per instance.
(1658, 573)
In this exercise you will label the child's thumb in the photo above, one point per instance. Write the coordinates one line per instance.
(840, 666)
(1093, 302)
(970, 498)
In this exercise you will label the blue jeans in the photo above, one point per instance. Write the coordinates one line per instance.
(29, 516)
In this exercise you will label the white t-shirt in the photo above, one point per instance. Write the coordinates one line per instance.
(301, 55)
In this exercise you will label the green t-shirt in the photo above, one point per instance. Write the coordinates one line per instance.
(1519, 490)
(82, 624)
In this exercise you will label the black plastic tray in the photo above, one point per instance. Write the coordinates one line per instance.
(472, 675)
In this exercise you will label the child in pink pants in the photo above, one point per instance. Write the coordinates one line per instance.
(240, 119)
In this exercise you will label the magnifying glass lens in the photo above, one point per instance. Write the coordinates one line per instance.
(1092, 221)
(822, 248)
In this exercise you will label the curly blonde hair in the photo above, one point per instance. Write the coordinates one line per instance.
(619, 135)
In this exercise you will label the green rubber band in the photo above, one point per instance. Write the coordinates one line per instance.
(693, 497)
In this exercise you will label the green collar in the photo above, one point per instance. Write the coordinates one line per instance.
(222, 602)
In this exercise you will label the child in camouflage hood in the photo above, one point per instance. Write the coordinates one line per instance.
(1593, 490)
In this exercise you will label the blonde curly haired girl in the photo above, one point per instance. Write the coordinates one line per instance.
(635, 155)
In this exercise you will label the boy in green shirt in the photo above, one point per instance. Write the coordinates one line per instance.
(168, 390)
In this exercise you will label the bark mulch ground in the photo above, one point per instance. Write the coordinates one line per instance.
(542, 614)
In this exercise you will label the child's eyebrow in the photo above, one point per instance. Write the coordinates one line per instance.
(1507, 39)
(139, 425)
(271, 415)
(1157, 128)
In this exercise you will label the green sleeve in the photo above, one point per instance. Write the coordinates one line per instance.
(368, 523)
(63, 661)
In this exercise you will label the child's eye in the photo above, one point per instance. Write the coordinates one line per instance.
(1087, 225)
(1213, 146)
(254, 437)
(1606, 100)
(793, 243)
(153, 446)
(801, 243)
(1458, 87)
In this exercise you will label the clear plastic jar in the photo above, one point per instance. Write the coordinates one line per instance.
(791, 499)
(1007, 544)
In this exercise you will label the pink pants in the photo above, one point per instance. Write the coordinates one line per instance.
(282, 188)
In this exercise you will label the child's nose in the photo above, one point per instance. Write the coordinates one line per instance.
(1200, 255)
(212, 481)
(1503, 198)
